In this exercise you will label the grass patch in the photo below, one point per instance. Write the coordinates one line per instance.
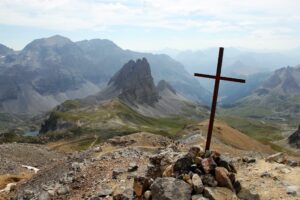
(263, 132)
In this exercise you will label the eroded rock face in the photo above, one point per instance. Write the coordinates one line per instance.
(169, 189)
(135, 83)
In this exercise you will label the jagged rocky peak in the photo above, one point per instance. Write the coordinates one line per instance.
(294, 139)
(135, 82)
(164, 85)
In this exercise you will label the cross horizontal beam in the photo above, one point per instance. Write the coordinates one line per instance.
(221, 78)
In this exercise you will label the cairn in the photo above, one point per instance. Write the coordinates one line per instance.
(197, 175)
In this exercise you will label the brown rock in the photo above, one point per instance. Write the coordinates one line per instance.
(222, 177)
(168, 171)
(140, 185)
(208, 164)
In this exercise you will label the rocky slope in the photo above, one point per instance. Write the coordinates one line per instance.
(145, 166)
(51, 70)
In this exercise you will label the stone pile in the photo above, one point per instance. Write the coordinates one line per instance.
(197, 175)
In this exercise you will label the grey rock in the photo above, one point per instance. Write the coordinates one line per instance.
(44, 196)
(132, 167)
(246, 194)
(292, 190)
(169, 188)
(218, 193)
(197, 184)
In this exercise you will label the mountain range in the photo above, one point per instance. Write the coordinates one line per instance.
(130, 102)
(51, 70)
(275, 99)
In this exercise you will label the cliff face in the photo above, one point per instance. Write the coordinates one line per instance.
(134, 83)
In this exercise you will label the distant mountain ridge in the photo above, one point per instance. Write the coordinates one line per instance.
(51, 70)
(276, 99)
(134, 85)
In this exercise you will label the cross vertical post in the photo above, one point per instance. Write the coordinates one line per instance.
(214, 100)
(217, 78)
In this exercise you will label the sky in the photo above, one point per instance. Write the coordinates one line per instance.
(155, 24)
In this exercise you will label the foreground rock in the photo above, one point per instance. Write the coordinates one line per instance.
(170, 188)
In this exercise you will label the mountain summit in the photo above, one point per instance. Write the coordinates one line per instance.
(134, 83)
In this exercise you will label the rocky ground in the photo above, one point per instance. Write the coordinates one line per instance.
(145, 166)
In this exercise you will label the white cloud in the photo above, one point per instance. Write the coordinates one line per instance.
(247, 18)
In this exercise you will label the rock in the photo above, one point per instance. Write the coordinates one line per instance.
(104, 192)
(199, 197)
(246, 194)
(198, 161)
(195, 151)
(237, 186)
(140, 185)
(248, 160)
(187, 178)
(97, 149)
(209, 180)
(132, 167)
(28, 194)
(168, 171)
(197, 184)
(182, 165)
(292, 163)
(76, 166)
(292, 190)
(208, 165)
(278, 157)
(147, 195)
(285, 170)
(124, 195)
(44, 196)
(266, 174)
(218, 193)
(226, 163)
(169, 188)
(63, 189)
(117, 172)
(222, 177)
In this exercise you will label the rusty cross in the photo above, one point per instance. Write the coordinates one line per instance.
(217, 78)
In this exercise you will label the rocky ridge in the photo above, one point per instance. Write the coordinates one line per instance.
(147, 166)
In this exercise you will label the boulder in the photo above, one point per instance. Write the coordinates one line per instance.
(197, 184)
(219, 193)
(183, 165)
(222, 177)
(170, 188)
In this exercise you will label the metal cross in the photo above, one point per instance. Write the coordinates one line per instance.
(217, 78)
